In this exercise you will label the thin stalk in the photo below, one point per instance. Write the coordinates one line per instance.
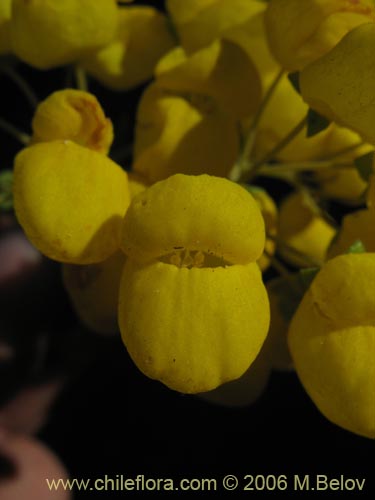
(22, 137)
(22, 85)
(244, 162)
(269, 169)
(81, 78)
(279, 147)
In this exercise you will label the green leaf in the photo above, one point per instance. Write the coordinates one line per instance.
(357, 247)
(6, 190)
(315, 123)
(364, 165)
(294, 80)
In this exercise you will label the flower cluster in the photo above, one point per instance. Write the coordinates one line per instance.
(211, 274)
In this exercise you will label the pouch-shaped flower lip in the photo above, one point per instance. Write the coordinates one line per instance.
(70, 201)
(192, 328)
(332, 342)
(205, 214)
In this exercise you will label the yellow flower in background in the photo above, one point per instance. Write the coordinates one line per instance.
(176, 134)
(75, 115)
(143, 36)
(301, 230)
(221, 71)
(93, 291)
(49, 33)
(188, 120)
(340, 84)
(5, 16)
(289, 108)
(193, 311)
(332, 342)
(355, 226)
(199, 23)
(70, 201)
(301, 31)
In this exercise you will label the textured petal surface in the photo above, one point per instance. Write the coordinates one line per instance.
(193, 329)
(332, 342)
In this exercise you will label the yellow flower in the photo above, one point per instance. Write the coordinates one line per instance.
(355, 226)
(332, 342)
(300, 32)
(339, 85)
(48, 33)
(221, 71)
(75, 115)
(199, 23)
(94, 288)
(302, 231)
(5, 16)
(176, 134)
(93, 291)
(70, 201)
(143, 36)
(193, 310)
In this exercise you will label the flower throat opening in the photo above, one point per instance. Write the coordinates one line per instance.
(183, 257)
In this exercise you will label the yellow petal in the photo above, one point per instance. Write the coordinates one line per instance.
(143, 36)
(222, 71)
(332, 342)
(302, 231)
(46, 33)
(300, 32)
(198, 213)
(75, 115)
(192, 329)
(94, 290)
(354, 226)
(340, 84)
(182, 135)
(199, 23)
(70, 201)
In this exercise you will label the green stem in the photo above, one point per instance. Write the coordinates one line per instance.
(81, 78)
(276, 170)
(255, 167)
(22, 137)
(21, 84)
(244, 163)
